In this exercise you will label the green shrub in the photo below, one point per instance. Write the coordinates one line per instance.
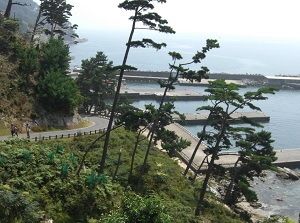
(64, 171)
(137, 209)
(51, 157)
(27, 156)
(59, 149)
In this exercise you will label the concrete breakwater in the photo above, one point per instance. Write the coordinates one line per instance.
(180, 95)
(292, 82)
(242, 79)
(201, 118)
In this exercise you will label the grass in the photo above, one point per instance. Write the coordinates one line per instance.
(45, 171)
(35, 168)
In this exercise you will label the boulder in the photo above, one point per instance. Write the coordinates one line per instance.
(287, 173)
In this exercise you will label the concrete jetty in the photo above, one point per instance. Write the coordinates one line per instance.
(141, 76)
(156, 94)
(286, 158)
(241, 79)
(200, 118)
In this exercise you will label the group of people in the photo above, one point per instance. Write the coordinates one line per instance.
(14, 130)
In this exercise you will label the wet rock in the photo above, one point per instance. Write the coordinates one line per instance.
(282, 175)
(287, 173)
(256, 205)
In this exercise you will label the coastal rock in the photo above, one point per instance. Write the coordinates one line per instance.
(287, 173)
(256, 211)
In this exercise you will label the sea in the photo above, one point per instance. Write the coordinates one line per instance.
(236, 55)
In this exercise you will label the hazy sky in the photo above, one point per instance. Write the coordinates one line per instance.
(276, 18)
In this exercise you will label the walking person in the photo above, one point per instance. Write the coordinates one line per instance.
(12, 130)
(28, 131)
(15, 131)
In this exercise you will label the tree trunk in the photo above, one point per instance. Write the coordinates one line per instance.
(153, 128)
(211, 164)
(199, 207)
(118, 165)
(117, 94)
(231, 184)
(192, 157)
(90, 147)
(36, 25)
(133, 153)
(197, 146)
(196, 173)
(8, 9)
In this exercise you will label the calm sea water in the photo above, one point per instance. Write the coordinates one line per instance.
(267, 57)
(281, 107)
(235, 55)
(253, 56)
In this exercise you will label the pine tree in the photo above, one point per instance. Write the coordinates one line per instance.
(151, 21)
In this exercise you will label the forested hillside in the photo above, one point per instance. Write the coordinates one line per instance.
(33, 74)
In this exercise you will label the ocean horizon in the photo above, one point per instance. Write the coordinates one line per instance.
(236, 55)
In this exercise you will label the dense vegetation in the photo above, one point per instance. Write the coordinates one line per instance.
(40, 177)
(33, 77)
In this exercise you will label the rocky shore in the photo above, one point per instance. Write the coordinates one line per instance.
(278, 194)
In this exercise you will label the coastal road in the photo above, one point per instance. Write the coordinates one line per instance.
(97, 124)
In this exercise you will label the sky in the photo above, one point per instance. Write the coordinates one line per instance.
(252, 18)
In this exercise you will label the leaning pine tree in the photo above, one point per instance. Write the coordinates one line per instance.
(152, 21)
(177, 71)
(225, 100)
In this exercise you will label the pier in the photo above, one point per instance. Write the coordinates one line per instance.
(286, 158)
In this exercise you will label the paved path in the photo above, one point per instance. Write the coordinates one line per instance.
(185, 134)
(286, 157)
(98, 123)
